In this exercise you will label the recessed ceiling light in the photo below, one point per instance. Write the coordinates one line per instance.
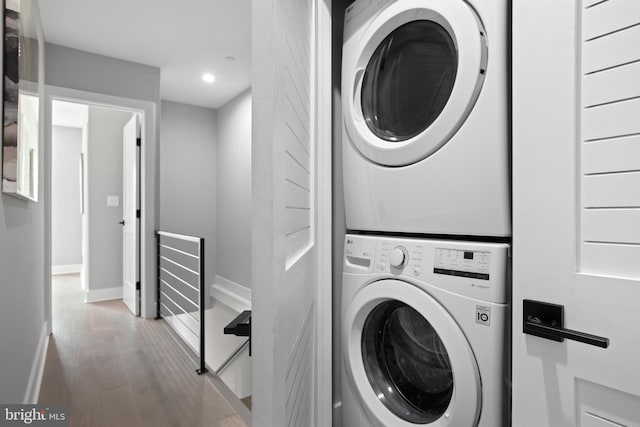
(208, 77)
(230, 58)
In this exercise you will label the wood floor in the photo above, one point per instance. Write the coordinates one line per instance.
(113, 369)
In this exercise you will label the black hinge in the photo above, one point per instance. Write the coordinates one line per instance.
(139, 142)
(137, 286)
(138, 213)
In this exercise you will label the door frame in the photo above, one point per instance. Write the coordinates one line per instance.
(136, 118)
(148, 184)
(323, 393)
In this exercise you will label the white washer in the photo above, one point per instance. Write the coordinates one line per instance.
(425, 105)
(424, 333)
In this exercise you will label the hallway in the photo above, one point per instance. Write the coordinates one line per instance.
(113, 369)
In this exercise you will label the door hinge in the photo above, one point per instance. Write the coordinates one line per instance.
(139, 142)
(137, 286)
(138, 213)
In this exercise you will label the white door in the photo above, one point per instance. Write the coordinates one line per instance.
(291, 207)
(576, 222)
(130, 220)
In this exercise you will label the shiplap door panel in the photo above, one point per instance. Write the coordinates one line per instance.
(614, 154)
(611, 85)
(609, 51)
(611, 190)
(590, 3)
(609, 17)
(610, 138)
(611, 225)
(285, 213)
(576, 209)
(617, 118)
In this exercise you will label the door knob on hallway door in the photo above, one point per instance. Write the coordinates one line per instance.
(121, 222)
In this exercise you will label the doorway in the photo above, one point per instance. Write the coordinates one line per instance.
(94, 178)
(146, 111)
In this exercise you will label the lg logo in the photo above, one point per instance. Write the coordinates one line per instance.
(483, 315)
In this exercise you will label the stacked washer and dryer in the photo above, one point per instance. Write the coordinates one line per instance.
(425, 299)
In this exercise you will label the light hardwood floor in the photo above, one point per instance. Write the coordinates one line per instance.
(113, 369)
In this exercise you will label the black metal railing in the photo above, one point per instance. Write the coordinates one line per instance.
(181, 289)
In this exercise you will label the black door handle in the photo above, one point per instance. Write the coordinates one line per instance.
(121, 222)
(546, 320)
(532, 326)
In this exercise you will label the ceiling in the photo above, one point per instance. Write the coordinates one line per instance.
(185, 39)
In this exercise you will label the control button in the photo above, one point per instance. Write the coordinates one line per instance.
(398, 257)
(416, 271)
(383, 265)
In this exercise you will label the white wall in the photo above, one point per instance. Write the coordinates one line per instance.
(86, 71)
(22, 278)
(66, 220)
(188, 175)
(104, 168)
(234, 190)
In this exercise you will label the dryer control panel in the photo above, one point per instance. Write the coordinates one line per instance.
(478, 270)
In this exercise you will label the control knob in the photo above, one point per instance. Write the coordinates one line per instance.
(398, 257)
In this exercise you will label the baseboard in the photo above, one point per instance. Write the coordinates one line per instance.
(231, 294)
(66, 269)
(97, 295)
(37, 369)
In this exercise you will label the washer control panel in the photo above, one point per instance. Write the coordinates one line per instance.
(462, 263)
(479, 270)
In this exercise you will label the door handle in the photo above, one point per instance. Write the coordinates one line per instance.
(546, 320)
(121, 222)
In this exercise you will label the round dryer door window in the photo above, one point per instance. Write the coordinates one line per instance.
(412, 79)
(407, 359)
(407, 363)
(409, 80)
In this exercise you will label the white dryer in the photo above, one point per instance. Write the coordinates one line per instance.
(424, 333)
(425, 105)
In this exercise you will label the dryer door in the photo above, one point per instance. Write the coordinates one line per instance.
(408, 359)
(413, 79)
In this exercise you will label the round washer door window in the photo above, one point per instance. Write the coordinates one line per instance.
(409, 80)
(407, 360)
(407, 363)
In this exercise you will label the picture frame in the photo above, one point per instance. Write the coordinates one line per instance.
(21, 100)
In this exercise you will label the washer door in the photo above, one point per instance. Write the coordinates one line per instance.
(415, 76)
(408, 359)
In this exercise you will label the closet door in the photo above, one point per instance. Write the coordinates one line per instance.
(291, 214)
(576, 211)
